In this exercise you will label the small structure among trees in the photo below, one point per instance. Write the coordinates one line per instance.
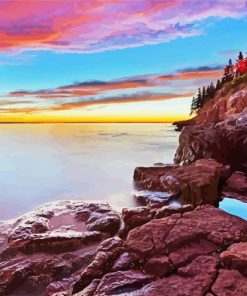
(231, 71)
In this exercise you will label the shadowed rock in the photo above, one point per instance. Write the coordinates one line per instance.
(236, 186)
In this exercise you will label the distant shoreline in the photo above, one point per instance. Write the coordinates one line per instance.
(86, 122)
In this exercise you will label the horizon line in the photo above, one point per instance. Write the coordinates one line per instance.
(94, 122)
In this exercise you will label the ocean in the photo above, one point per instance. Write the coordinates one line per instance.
(46, 162)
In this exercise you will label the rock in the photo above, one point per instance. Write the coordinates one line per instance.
(230, 283)
(166, 211)
(122, 282)
(153, 198)
(200, 142)
(235, 257)
(225, 142)
(90, 289)
(194, 279)
(61, 238)
(138, 216)
(180, 124)
(223, 106)
(53, 242)
(45, 230)
(191, 250)
(167, 235)
(125, 261)
(196, 184)
(107, 253)
(149, 177)
(39, 270)
(158, 266)
(109, 224)
(236, 186)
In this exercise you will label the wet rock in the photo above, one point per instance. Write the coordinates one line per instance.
(158, 266)
(53, 242)
(107, 253)
(166, 211)
(52, 246)
(138, 216)
(149, 177)
(236, 186)
(235, 257)
(197, 184)
(39, 270)
(125, 261)
(153, 198)
(109, 224)
(122, 282)
(230, 283)
(58, 227)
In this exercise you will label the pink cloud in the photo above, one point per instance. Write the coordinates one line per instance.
(96, 25)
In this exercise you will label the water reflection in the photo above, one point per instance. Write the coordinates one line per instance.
(45, 162)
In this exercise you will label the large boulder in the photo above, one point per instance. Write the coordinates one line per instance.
(236, 186)
(197, 184)
(235, 257)
(225, 142)
(230, 283)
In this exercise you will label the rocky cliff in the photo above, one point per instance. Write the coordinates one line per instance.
(226, 103)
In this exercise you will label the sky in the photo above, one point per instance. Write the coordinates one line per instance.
(113, 60)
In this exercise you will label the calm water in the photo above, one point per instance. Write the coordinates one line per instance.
(234, 207)
(45, 162)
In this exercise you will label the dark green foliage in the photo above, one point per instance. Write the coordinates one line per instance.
(240, 56)
(228, 82)
(218, 85)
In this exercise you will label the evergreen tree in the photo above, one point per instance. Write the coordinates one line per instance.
(218, 84)
(230, 63)
(208, 91)
(204, 92)
(193, 106)
(240, 56)
(199, 99)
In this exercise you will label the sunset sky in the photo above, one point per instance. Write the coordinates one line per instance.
(113, 60)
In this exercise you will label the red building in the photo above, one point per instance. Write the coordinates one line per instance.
(231, 71)
(241, 67)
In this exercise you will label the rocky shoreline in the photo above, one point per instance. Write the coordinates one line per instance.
(179, 243)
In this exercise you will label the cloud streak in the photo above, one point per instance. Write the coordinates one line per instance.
(146, 88)
(96, 25)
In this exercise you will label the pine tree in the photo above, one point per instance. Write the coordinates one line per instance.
(193, 106)
(218, 84)
(230, 63)
(199, 99)
(240, 56)
(204, 92)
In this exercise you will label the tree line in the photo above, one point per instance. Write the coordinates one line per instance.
(207, 93)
